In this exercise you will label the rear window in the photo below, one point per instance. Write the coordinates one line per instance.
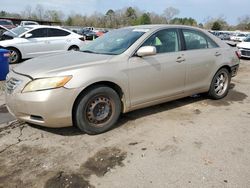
(197, 40)
(57, 33)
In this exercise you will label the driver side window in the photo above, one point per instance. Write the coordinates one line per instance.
(164, 41)
(38, 33)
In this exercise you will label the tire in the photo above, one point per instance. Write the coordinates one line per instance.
(15, 55)
(97, 111)
(220, 84)
(74, 48)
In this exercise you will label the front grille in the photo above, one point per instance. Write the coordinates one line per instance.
(11, 84)
(247, 49)
(245, 53)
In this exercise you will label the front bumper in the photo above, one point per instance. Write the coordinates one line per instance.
(245, 52)
(50, 108)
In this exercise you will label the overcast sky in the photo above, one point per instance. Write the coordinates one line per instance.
(198, 9)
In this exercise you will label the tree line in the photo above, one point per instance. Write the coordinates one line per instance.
(126, 17)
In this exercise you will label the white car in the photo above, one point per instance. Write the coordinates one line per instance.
(36, 40)
(238, 37)
(244, 48)
(25, 23)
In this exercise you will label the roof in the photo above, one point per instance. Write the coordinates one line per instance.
(41, 26)
(159, 26)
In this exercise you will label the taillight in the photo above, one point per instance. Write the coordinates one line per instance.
(82, 38)
(238, 53)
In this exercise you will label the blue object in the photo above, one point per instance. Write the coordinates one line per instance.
(4, 63)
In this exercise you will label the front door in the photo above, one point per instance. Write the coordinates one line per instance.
(156, 77)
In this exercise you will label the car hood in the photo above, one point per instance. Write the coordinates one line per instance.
(244, 45)
(59, 64)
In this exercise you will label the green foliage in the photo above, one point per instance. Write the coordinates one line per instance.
(125, 17)
(144, 19)
(216, 26)
(184, 21)
(69, 21)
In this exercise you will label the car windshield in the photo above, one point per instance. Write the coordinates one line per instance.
(16, 31)
(247, 39)
(5, 22)
(114, 42)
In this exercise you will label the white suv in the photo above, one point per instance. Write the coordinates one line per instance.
(36, 40)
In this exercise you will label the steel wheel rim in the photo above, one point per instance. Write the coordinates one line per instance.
(13, 56)
(221, 84)
(99, 110)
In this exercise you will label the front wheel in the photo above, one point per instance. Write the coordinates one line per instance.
(220, 84)
(98, 110)
(15, 55)
(73, 48)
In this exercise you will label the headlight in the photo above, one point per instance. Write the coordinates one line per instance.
(46, 83)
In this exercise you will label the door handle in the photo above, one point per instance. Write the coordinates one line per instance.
(180, 59)
(217, 54)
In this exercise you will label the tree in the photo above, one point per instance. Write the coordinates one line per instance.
(27, 13)
(170, 12)
(216, 26)
(244, 23)
(3, 13)
(69, 21)
(110, 18)
(221, 20)
(184, 21)
(131, 16)
(144, 19)
(39, 12)
(54, 15)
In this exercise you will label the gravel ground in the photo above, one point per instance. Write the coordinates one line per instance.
(192, 142)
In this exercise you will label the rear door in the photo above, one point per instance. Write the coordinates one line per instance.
(201, 55)
(156, 77)
(58, 40)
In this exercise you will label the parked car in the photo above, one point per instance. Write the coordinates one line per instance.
(124, 70)
(244, 48)
(26, 23)
(238, 37)
(88, 34)
(7, 23)
(2, 30)
(36, 40)
(224, 36)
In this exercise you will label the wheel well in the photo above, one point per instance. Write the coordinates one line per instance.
(11, 47)
(112, 85)
(226, 67)
(73, 46)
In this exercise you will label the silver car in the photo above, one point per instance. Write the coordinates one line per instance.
(124, 70)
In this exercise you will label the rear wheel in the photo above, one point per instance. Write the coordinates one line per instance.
(15, 55)
(98, 110)
(220, 84)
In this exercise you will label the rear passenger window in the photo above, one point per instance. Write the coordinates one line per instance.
(164, 41)
(57, 33)
(197, 40)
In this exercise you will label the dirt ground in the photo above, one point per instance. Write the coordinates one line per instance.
(192, 142)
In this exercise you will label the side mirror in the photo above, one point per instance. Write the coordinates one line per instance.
(146, 51)
(27, 35)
